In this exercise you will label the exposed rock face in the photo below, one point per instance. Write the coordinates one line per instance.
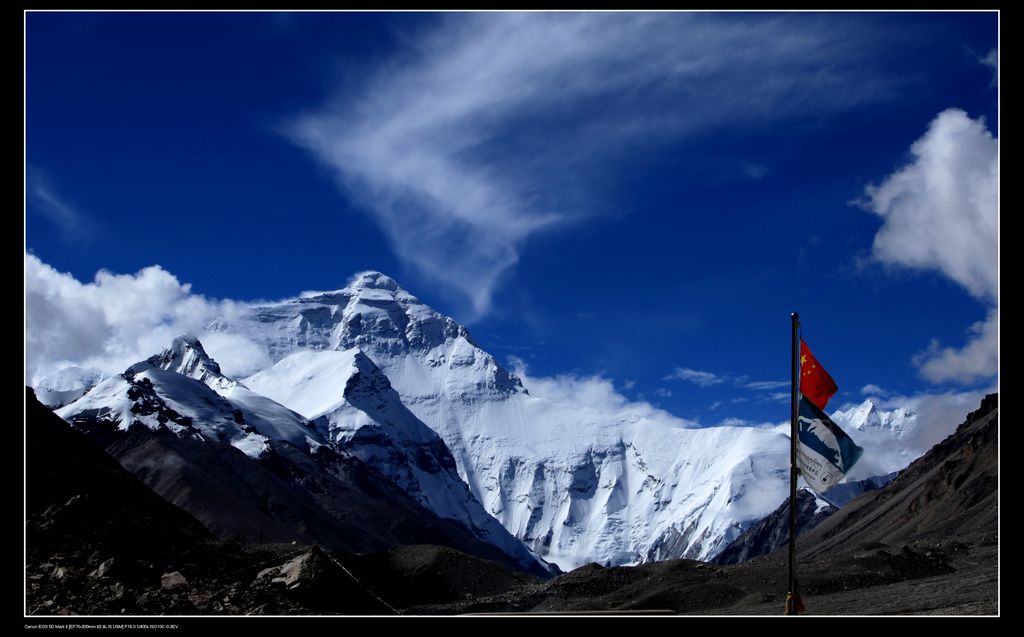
(773, 531)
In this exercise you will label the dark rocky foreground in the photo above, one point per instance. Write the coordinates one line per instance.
(100, 542)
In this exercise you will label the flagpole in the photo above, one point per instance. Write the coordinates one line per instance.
(794, 365)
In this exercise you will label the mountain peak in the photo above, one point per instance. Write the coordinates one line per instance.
(185, 355)
(866, 415)
(373, 280)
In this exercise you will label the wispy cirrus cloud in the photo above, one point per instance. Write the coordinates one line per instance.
(488, 129)
(43, 198)
(764, 385)
(703, 378)
(695, 376)
(991, 60)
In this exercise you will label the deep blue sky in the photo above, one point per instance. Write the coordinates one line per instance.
(165, 139)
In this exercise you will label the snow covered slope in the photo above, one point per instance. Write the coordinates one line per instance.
(355, 408)
(66, 385)
(183, 390)
(576, 485)
(160, 399)
(185, 355)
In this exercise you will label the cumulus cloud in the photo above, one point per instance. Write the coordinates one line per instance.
(977, 360)
(119, 319)
(592, 392)
(940, 211)
(488, 129)
(695, 376)
(940, 214)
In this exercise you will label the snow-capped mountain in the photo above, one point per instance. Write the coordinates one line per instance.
(182, 390)
(186, 356)
(371, 371)
(354, 406)
(887, 436)
(577, 485)
(165, 400)
(868, 417)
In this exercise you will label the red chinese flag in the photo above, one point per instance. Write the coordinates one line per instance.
(815, 383)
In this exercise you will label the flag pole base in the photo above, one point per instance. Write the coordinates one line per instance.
(794, 605)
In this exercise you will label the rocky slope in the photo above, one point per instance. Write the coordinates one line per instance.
(772, 531)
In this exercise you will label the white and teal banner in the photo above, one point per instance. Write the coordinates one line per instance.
(825, 453)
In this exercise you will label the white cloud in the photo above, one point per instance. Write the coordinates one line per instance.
(237, 356)
(42, 198)
(490, 128)
(768, 384)
(940, 211)
(695, 376)
(873, 390)
(941, 214)
(592, 392)
(992, 61)
(782, 428)
(661, 392)
(117, 320)
(938, 415)
(977, 360)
